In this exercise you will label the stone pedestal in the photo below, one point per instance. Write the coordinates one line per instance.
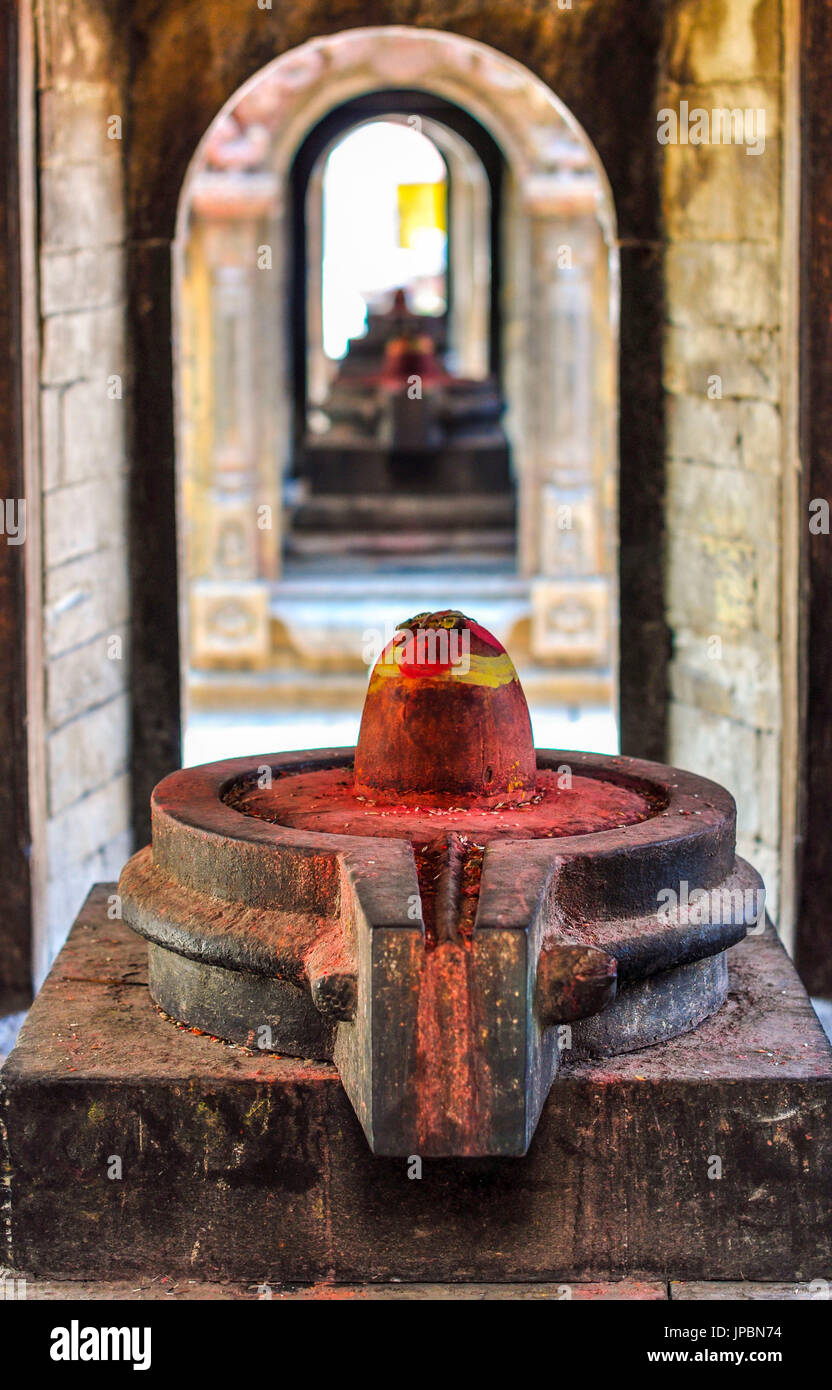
(706, 1157)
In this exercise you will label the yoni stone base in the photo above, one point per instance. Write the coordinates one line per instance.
(135, 1146)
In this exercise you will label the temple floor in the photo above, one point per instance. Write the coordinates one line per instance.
(188, 1290)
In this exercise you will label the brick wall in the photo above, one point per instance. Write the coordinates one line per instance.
(83, 458)
(725, 384)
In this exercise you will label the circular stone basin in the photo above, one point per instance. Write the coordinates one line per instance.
(291, 907)
(324, 800)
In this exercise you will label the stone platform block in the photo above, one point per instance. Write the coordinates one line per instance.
(133, 1146)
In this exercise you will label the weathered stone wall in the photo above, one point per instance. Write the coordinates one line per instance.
(723, 373)
(85, 594)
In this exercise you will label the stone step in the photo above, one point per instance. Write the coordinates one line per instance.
(383, 512)
(400, 543)
(489, 583)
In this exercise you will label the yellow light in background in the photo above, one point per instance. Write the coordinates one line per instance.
(421, 208)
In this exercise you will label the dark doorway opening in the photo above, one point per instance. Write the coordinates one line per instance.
(375, 106)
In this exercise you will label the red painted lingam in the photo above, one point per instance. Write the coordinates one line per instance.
(446, 914)
(445, 716)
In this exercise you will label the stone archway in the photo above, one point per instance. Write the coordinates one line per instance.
(559, 345)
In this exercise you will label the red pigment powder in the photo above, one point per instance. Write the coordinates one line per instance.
(429, 864)
(324, 801)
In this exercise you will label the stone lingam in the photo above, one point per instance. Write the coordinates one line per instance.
(441, 911)
(439, 1007)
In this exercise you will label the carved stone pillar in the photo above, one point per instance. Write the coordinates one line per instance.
(566, 522)
(234, 513)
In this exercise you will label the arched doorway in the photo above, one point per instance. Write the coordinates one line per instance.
(474, 171)
(397, 201)
(253, 629)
